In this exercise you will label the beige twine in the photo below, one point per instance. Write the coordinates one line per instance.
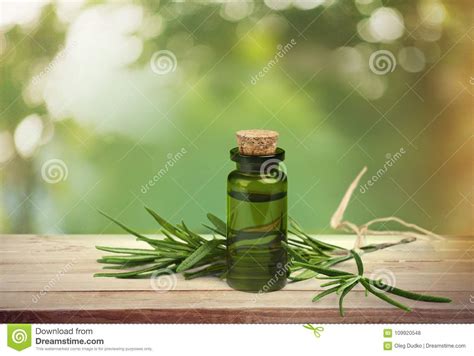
(337, 222)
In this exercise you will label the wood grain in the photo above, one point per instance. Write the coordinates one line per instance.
(49, 279)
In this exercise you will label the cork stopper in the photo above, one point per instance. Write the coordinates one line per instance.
(257, 142)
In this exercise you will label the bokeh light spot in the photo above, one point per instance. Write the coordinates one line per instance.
(411, 59)
(28, 135)
(386, 24)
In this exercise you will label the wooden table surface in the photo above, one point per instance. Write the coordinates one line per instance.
(49, 279)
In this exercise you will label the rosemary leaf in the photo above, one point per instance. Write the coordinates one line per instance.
(135, 251)
(220, 226)
(341, 298)
(407, 294)
(195, 237)
(173, 229)
(124, 259)
(211, 270)
(336, 260)
(383, 296)
(130, 273)
(360, 265)
(321, 244)
(321, 270)
(166, 225)
(336, 281)
(204, 250)
(325, 293)
(165, 244)
(347, 283)
(122, 225)
(306, 274)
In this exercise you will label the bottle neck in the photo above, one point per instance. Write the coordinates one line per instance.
(257, 164)
(250, 168)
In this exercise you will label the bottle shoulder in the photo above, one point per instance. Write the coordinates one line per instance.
(240, 181)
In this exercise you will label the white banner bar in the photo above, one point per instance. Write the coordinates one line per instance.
(237, 339)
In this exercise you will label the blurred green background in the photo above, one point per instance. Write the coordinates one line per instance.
(98, 98)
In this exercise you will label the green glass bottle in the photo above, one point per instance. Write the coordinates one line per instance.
(257, 222)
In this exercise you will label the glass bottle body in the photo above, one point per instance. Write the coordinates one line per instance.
(256, 228)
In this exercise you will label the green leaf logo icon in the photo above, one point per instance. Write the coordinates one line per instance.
(19, 336)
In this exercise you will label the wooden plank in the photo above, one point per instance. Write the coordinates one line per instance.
(29, 270)
(16, 259)
(221, 307)
(49, 279)
(236, 316)
(381, 255)
(73, 281)
(54, 243)
(184, 300)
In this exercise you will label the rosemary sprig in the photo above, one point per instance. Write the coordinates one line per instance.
(343, 282)
(183, 250)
